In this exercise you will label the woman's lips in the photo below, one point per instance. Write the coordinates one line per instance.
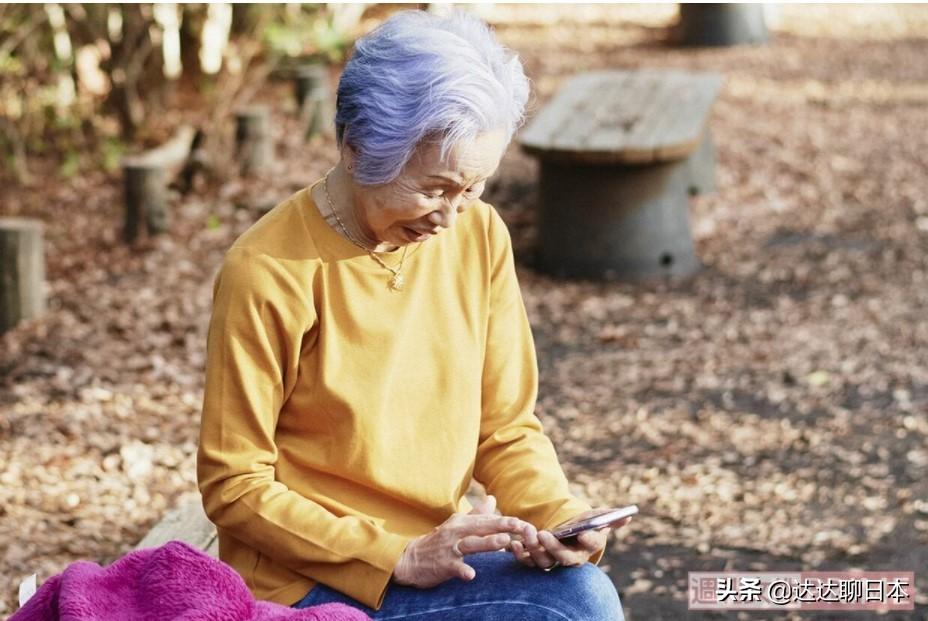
(416, 235)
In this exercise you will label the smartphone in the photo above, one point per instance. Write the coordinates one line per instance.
(567, 531)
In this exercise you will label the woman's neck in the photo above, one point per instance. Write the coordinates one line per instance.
(341, 198)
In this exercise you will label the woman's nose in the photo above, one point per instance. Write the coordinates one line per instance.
(445, 216)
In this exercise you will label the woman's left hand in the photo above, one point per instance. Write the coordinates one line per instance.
(550, 552)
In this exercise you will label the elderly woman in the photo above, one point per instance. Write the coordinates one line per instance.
(369, 354)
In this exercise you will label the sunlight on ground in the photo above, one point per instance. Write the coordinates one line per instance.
(846, 21)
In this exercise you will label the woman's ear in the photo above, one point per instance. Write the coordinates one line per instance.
(349, 156)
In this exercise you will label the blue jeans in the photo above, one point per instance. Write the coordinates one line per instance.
(503, 590)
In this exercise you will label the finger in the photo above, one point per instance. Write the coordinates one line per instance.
(490, 543)
(521, 554)
(540, 556)
(530, 535)
(464, 571)
(480, 524)
(592, 540)
(564, 555)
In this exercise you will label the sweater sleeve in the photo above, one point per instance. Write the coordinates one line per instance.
(516, 461)
(253, 348)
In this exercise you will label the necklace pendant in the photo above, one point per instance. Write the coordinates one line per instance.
(396, 283)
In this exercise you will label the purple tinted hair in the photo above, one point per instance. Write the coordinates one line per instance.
(421, 77)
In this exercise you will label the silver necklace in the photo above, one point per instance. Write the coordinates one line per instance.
(396, 283)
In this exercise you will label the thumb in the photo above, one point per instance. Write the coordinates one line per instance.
(465, 572)
(487, 507)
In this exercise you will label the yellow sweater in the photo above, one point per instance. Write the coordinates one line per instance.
(342, 419)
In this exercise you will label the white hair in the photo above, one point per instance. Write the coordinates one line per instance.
(420, 77)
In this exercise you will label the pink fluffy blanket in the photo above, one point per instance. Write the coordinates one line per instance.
(175, 581)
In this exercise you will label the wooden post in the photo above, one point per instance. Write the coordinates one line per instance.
(22, 271)
(253, 145)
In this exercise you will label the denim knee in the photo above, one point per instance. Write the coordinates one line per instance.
(592, 597)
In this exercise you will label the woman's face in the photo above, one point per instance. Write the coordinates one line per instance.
(427, 196)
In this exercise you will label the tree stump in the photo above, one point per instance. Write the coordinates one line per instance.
(253, 146)
(309, 80)
(146, 199)
(722, 24)
(314, 99)
(22, 271)
(145, 177)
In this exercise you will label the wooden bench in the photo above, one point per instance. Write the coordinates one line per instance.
(620, 152)
(187, 523)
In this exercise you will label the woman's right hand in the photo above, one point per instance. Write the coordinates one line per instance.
(431, 559)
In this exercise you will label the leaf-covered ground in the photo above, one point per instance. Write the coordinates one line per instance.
(769, 413)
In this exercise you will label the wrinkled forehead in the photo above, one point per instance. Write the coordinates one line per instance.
(465, 161)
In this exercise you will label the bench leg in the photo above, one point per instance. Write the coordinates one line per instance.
(615, 222)
(701, 165)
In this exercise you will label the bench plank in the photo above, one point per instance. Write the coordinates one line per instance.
(547, 126)
(187, 523)
(682, 135)
(630, 124)
(624, 117)
(589, 113)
